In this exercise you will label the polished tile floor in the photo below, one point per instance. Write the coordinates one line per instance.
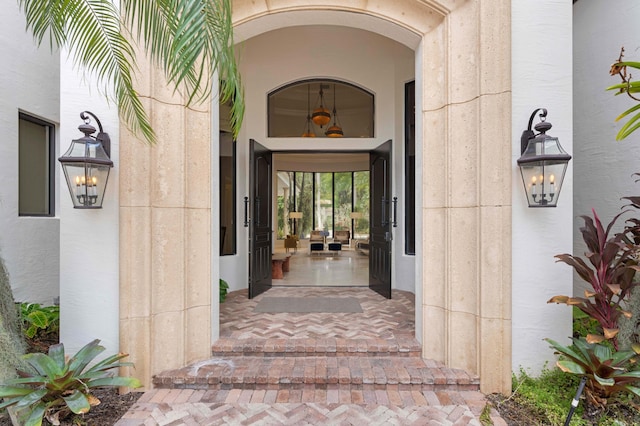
(346, 269)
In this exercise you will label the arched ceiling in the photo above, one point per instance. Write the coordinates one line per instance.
(251, 28)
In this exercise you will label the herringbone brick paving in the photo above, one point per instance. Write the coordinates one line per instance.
(316, 369)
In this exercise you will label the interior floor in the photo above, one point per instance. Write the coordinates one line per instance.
(348, 268)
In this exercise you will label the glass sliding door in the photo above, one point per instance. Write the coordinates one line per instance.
(304, 203)
(327, 202)
(361, 204)
(285, 203)
(323, 203)
(342, 200)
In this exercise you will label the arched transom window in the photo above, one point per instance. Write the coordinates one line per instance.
(321, 108)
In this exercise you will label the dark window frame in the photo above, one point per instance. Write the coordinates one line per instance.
(320, 80)
(333, 193)
(51, 205)
(234, 209)
(410, 168)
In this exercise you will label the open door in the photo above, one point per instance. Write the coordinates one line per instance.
(380, 220)
(260, 221)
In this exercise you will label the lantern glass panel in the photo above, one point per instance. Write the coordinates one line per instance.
(87, 183)
(543, 181)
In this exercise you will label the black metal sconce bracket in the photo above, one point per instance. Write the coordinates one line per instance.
(529, 134)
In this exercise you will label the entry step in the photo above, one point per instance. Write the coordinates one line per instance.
(347, 372)
(401, 346)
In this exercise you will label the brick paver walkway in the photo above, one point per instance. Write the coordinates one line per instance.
(315, 369)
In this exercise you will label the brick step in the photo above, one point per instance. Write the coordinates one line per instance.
(346, 373)
(401, 346)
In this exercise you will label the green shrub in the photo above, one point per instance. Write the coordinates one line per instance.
(38, 319)
(224, 288)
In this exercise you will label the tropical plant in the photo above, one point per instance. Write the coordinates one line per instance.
(224, 288)
(39, 319)
(629, 87)
(188, 39)
(609, 372)
(54, 387)
(610, 274)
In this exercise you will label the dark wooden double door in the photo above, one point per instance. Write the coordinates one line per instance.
(259, 210)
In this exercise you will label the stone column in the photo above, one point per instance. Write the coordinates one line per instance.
(467, 192)
(165, 234)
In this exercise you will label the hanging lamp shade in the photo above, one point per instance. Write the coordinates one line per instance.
(335, 131)
(321, 116)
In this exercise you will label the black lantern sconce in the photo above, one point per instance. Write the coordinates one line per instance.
(543, 163)
(86, 165)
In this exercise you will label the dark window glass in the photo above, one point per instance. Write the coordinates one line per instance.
(291, 108)
(227, 194)
(410, 168)
(36, 151)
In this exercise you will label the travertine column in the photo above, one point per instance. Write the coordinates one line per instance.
(165, 235)
(466, 211)
(467, 192)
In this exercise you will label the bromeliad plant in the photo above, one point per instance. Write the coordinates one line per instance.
(608, 372)
(610, 267)
(56, 387)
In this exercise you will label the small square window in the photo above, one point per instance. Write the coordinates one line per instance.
(36, 165)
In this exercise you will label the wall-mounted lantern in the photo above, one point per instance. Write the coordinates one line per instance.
(543, 163)
(86, 165)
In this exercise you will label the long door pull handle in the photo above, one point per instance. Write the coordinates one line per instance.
(395, 212)
(246, 212)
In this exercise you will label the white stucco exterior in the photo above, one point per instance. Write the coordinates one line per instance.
(88, 238)
(541, 78)
(80, 248)
(603, 168)
(29, 83)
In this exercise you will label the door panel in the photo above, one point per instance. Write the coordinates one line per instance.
(260, 223)
(380, 220)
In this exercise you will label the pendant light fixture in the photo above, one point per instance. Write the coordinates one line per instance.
(308, 132)
(321, 115)
(334, 131)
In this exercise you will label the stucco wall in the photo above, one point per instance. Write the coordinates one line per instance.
(602, 166)
(361, 57)
(541, 76)
(88, 238)
(29, 81)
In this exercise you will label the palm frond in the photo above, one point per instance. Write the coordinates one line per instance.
(188, 39)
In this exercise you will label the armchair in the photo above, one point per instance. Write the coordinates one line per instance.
(342, 237)
(291, 242)
(316, 237)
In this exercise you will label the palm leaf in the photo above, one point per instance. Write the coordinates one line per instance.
(189, 39)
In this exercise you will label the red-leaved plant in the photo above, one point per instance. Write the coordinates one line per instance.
(609, 269)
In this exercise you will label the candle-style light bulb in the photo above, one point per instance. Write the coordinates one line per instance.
(533, 185)
(552, 180)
